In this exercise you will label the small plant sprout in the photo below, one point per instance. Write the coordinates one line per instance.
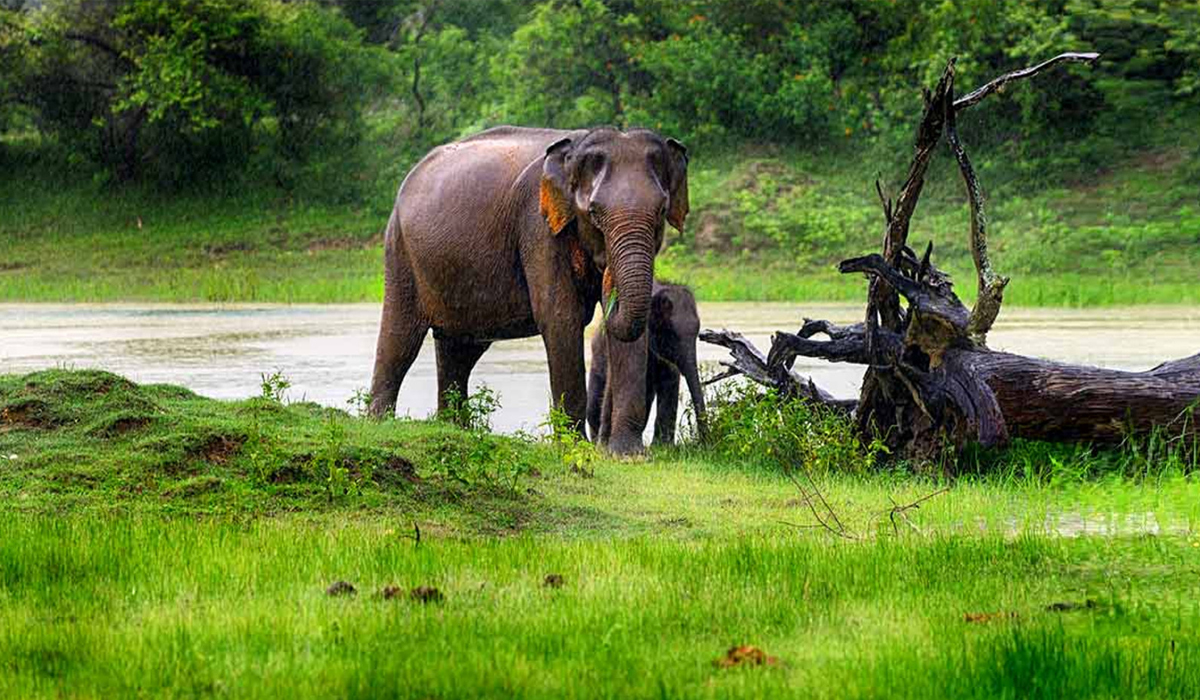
(575, 450)
(274, 386)
(359, 402)
(472, 412)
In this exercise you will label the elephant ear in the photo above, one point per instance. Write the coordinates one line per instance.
(553, 201)
(677, 170)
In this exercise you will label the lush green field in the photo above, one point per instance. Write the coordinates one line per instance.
(765, 226)
(158, 543)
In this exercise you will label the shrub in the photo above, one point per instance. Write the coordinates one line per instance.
(749, 424)
(472, 412)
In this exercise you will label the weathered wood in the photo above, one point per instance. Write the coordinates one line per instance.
(930, 380)
(976, 96)
(991, 284)
(748, 360)
(1045, 400)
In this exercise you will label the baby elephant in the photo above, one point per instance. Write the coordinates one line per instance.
(626, 378)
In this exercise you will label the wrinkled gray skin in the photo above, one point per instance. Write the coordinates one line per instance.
(627, 378)
(513, 233)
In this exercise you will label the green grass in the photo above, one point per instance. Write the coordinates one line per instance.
(153, 542)
(200, 608)
(765, 225)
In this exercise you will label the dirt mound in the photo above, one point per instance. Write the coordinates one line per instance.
(381, 466)
(745, 655)
(28, 413)
(219, 449)
(77, 383)
(341, 588)
(396, 471)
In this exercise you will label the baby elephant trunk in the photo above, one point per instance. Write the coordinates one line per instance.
(691, 375)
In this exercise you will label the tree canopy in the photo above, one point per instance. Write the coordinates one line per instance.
(147, 89)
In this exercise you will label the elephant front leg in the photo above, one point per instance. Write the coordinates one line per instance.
(666, 390)
(629, 411)
(568, 386)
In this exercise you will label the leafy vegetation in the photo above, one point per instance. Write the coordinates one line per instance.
(1062, 585)
(472, 412)
(259, 143)
(747, 423)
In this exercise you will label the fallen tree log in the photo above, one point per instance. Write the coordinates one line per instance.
(931, 381)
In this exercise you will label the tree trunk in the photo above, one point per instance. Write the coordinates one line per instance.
(931, 381)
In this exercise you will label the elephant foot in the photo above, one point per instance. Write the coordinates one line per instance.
(380, 409)
(625, 445)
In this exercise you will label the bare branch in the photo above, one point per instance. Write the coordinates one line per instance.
(991, 284)
(840, 529)
(731, 371)
(750, 361)
(976, 96)
(882, 300)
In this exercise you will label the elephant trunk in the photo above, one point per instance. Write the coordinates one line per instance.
(631, 261)
(691, 374)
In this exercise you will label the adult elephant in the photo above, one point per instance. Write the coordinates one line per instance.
(517, 232)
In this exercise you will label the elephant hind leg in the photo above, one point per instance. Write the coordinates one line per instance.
(402, 329)
(456, 357)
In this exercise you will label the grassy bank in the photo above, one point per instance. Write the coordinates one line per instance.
(159, 543)
(765, 225)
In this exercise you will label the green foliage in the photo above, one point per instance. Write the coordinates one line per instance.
(359, 402)
(472, 412)
(1165, 453)
(574, 449)
(14, 64)
(274, 386)
(160, 87)
(481, 459)
(301, 118)
(166, 87)
(329, 465)
(748, 424)
(567, 66)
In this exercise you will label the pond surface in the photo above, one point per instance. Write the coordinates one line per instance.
(327, 351)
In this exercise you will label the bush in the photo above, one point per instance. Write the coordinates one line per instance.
(155, 89)
(748, 424)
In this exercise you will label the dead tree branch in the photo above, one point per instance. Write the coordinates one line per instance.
(990, 284)
(931, 381)
(976, 96)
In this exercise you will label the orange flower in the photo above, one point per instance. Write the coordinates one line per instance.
(849, 131)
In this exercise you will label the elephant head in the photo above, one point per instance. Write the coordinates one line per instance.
(618, 188)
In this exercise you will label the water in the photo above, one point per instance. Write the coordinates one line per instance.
(327, 351)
